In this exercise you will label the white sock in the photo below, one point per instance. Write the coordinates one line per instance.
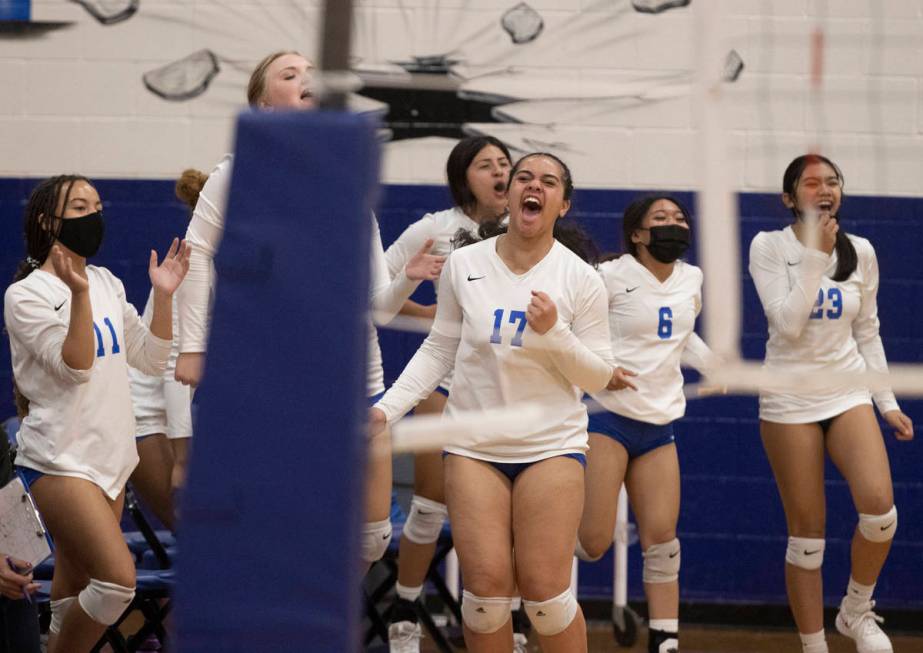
(664, 625)
(408, 593)
(857, 594)
(814, 642)
(516, 604)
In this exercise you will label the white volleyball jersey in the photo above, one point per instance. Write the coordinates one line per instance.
(501, 363)
(196, 294)
(650, 324)
(817, 325)
(440, 226)
(80, 422)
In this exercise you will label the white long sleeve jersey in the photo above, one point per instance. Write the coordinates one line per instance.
(195, 296)
(652, 326)
(501, 363)
(80, 422)
(817, 325)
(441, 226)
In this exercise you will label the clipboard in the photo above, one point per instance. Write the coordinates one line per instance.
(22, 534)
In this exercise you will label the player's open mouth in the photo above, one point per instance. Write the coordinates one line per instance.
(531, 206)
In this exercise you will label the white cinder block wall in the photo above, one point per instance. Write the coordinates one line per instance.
(602, 85)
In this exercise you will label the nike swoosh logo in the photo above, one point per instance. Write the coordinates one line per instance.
(884, 528)
(60, 305)
(470, 278)
(674, 554)
(420, 512)
(810, 553)
(632, 289)
(795, 263)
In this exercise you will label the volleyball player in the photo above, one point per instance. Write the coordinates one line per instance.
(654, 298)
(523, 320)
(282, 81)
(163, 407)
(72, 337)
(818, 286)
(477, 170)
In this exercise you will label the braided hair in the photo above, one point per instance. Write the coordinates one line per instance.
(40, 226)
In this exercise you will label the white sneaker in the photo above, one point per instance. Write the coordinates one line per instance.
(862, 627)
(520, 643)
(404, 637)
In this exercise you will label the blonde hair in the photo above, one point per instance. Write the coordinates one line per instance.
(257, 86)
(189, 185)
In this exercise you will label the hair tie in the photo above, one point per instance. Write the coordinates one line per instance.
(31, 262)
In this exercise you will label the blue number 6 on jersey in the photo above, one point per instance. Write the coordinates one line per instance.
(665, 327)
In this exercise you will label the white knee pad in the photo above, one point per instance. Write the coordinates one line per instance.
(105, 602)
(878, 528)
(581, 553)
(805, 552)
(554, 615)
(485, 615)
(376, 536)
(661, 562)
(424, 523)
(58, 609)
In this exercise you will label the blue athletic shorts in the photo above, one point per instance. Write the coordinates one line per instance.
(637, 437)
(28, 475)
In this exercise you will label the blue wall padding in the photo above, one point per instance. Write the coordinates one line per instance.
(15, 10)
(731, 522)
(271, 514)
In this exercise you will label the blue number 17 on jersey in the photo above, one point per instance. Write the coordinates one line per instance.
(515, 316)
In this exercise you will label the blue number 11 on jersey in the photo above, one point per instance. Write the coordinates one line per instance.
(515, 316)
(100, 348)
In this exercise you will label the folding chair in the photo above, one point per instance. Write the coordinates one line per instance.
(379, 621)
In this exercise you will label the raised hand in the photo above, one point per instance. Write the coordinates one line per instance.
(64, 268)
(620, 379)
(167, 276)
(541, 314)
(824, 238)
(424, 266)
(902, 425)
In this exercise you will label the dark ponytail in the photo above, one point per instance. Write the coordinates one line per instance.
(847, 259)
(40, 223)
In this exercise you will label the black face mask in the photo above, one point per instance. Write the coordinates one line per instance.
(83, 235)
(668, 242)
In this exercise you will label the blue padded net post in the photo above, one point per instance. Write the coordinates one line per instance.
(269, 537)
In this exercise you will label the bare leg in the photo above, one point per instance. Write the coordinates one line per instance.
(796, 454)
(180, 448)
(151, 478)
(428, 482)
(653, 488)
(85, 527)
(547, 504)
(480, 506)
(607, 461)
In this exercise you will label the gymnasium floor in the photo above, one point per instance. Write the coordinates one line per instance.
(700, 639)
